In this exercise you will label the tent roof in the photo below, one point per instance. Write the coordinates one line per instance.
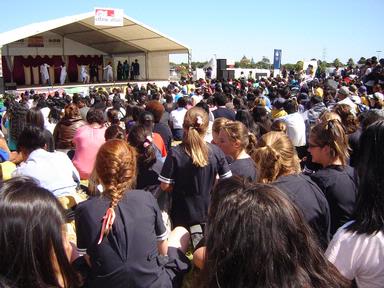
(132, 37)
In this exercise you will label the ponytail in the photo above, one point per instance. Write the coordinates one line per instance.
(275, 156)
(195, 125)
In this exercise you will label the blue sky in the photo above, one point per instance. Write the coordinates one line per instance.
(231, 29)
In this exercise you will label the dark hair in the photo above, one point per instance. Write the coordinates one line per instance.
(139, 137)
(147, 120)
(17, 115)
(35, 117)
(220, 99)
(290, 106)
(348, 119)
(182, 102)
(245, 117)
(71, 111)
(156, 108)
(114, 132)
(113, 116)
(31, 138)
(370, 116)
(31, 221)
(369, 209)
(95, 116)
(280, 251)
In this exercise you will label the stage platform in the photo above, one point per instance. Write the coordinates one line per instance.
(84, 89)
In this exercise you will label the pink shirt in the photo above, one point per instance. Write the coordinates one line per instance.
(87, 141)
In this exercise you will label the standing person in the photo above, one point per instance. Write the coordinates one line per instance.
(202, 162)
(238, 144)
(119, 71)
(34, 249)
(63, 73)
(125, 70)
(93, 73)
(45, 74)
(176, 119)
(277, 163)
(131, 246)
(136, 69)
(84, 74)
(108, 72)
(280, 251)
(328, 145)
(357, 249)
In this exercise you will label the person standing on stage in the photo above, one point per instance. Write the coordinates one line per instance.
(84, 74)
(125, 70)
(108, 72)
(136, 69)
(93, 72)
(63, 73)
(44, 74)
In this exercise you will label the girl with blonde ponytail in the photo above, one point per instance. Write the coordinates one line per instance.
(122, 231)
(190, 171)
(238, 144)
(277, 163)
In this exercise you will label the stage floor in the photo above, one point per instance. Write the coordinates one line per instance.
(80, 87)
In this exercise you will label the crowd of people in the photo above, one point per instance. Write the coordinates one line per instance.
(271, 182)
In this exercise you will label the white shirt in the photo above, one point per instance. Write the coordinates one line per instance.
(177, 117)
(53, 170)
(295, 128)
(358, 256)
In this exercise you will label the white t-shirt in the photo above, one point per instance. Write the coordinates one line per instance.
(358, 256)
(295, 128)
(177, 118)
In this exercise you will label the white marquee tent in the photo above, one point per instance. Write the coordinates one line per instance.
(78, 35)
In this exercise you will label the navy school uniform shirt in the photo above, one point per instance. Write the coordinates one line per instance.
(339, 185)
(128, 255)
(311, 201)
(192, 185)
(244, 168)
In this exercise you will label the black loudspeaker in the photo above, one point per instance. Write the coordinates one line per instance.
(221, 64)
(222, 75)
(231, 74)
(10, 86)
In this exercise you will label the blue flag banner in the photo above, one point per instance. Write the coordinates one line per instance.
(276, 59)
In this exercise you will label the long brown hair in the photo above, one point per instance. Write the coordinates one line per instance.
(280, 251)
(115, 167)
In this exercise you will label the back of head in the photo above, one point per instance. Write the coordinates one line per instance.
(35, 117)
(31, 221)
(114, 132)
(115, 167)
(31, 138)
(275, 156)
(113, 116)
(280, 252)
(195, 126)
(156, 108)
(369, 211)
(140, 138)
(348, 119)
(71, 111)
(220, 99)
(95, 116)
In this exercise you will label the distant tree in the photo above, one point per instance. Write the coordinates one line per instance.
(252, 61)
(289, 67)
(299, 66)
(237, 64)
(337, 63)
(245, 62)
(361, 61)
(350, 62)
